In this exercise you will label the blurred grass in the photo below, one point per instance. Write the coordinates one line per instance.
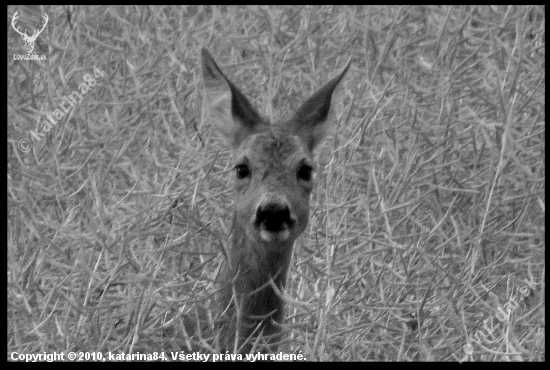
(427, 221)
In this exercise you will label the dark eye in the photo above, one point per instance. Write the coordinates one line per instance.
(242, 171)
(304, 173)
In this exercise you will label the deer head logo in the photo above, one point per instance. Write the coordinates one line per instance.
(29, 40)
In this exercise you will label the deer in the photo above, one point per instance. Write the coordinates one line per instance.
(274, 176)
(29, 40)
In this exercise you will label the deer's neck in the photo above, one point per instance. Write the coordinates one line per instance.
(248, 294)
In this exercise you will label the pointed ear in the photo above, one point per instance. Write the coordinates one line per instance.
(313, 120)
(228, 109)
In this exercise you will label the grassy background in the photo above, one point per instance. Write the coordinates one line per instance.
(426, 237)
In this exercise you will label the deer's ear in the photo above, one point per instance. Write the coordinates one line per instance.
(313, 120)
(228, 109)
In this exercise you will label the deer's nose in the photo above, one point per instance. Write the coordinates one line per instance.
(273, 213)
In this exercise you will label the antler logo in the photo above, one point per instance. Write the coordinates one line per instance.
(29, 40)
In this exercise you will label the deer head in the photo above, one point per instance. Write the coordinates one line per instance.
(29, 40)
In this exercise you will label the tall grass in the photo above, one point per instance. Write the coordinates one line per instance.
(426, 236)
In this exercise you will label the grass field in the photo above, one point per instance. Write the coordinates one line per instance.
(426, 238)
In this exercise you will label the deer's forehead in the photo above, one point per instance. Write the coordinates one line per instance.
(274, 148)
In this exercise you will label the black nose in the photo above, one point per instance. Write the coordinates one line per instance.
(274, 217)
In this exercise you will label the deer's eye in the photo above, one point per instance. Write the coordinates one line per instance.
(305, 172)
(242, 171)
